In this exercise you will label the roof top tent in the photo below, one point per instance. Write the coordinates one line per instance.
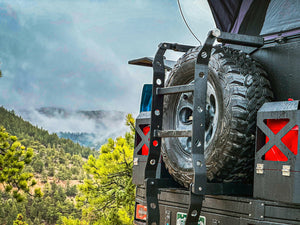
(278, 21)
(256, 17)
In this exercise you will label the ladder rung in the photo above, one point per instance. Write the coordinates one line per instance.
(172, 133)
(175, 89)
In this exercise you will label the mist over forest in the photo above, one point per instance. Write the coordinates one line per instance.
(88, 128)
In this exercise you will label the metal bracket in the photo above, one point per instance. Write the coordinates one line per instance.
(157, 105)
(152, 184)
(198, 187)
(257, 210)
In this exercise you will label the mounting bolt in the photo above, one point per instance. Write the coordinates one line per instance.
(152, 162)
(250, 215)
(216, 32)
(203, 55)
(200, 110)
(201, 74)
(250, 203)
(199, 163)
(158, 81)
(165, 45)
(262, 204)
(200, 188)
(194, 213)
(152, 205)
(262, 217)
(152, 182)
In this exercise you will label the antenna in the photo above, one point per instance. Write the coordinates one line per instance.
(178, 1)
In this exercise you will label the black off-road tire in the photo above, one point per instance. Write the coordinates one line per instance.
(241, 87)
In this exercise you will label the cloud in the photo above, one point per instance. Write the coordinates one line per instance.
(74, 54)
(98, 125)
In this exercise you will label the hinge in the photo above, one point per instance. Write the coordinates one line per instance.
(286, 170)
(259, 168)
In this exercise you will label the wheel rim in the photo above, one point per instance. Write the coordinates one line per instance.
(184, 112)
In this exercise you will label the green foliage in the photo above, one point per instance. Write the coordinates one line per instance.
(44, 210)
(107, 197)
(19, 220)
(13, 158)
(42, 164)
(17, 126)
(71, 221)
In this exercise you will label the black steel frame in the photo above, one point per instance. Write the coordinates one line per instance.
(199, 186)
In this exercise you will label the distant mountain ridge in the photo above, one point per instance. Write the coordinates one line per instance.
(16, 125)
(88, 128)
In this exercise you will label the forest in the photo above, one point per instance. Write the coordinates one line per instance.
(45, 179)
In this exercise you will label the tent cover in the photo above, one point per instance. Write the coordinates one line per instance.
(256, 17)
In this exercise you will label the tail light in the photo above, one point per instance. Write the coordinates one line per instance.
(141, 212)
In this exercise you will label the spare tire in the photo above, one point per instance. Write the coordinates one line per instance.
(237, 87)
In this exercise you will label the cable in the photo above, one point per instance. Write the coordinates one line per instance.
(178, 1)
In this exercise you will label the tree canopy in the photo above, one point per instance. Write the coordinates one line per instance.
(107, 197)
(13, 158)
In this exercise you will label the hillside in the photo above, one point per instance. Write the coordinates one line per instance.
(57, 168)
(17, 126)
(88, 128)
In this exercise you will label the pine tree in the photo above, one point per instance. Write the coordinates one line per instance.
(107, 197)
(13, 158)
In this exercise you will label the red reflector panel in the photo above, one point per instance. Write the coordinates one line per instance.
(146, 130)
(145, 150)
(290, 140)
(141, 212)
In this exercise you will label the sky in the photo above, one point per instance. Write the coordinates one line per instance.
(74, 54)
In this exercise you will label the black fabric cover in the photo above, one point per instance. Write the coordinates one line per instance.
(254, 17)
(225, 13)
(239, 16)
(282, 16)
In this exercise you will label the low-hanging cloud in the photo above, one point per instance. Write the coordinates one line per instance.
(73, 54)
(99, 125)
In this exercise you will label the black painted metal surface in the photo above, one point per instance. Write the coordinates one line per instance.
(277, 180)
(150, 172)
(281, 61)
(224, 210)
